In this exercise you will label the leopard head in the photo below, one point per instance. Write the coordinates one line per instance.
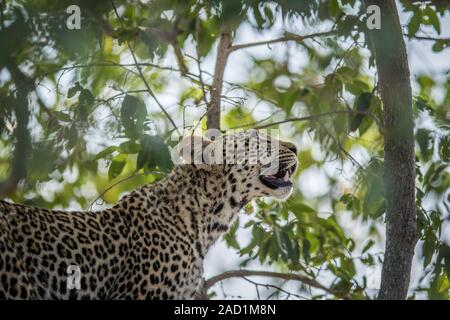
(255, 164)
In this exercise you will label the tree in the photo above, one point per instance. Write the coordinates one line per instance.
(399, 171)
(88, 114)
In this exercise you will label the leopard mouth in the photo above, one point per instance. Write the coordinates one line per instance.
(281, 179)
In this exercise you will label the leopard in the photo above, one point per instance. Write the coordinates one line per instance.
(152, 243)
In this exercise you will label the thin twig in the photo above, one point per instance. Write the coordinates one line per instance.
(136, 174)
(118, 95)
(136, 63)
(289, 37)
(426, 38)
(339, 145)
(306, 118)
(286, 276)
(269, 286)
(200, 76)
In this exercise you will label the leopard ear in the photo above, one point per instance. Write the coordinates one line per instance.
(191, 151)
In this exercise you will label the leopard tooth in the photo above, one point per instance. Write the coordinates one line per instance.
(286, 176)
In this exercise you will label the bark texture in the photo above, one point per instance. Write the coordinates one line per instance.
(399, 163)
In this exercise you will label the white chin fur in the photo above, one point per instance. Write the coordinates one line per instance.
(282, 193)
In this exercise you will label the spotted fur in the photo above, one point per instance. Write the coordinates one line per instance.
(150, 245)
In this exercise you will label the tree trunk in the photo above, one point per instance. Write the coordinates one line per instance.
(399, 164)
(223, 51)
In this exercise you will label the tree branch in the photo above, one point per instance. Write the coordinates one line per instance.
(278, 289)
(223, 51)
(307, 118)
(286, 276)
(426, 38)
(179, 57)
(113, 64)
(287, 37)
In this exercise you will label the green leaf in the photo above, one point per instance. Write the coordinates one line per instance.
(368, 245)
(61, 116)
(132, 115)
(362, 104)
(86, 98)
(423, 137)
(351, 244)
(72, 136)
(423, 105)
(414, 23)
(151, 42)
(73, 90)
(238, 116)
(333, 8)
(258, 17)
(102, 154)
(300, 207)
(231, 9)
(347, 24)
(444, 148)
(129, 147)
(264, 249)
(425, 81)
(432, 18)
(433, 173)
(295, 255)
(373, 202)
(356, 87)
(205, 35)
(440, 45)
(230, 236)
(268, 13)
(444, 251)
(352, 202)
(346, 74)
(443, 284)
(153, 154)
(274, 252)
(284, 242)
(306, 248)
(117, 165)
(85, 103)
(122, 34)
(428, 249)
